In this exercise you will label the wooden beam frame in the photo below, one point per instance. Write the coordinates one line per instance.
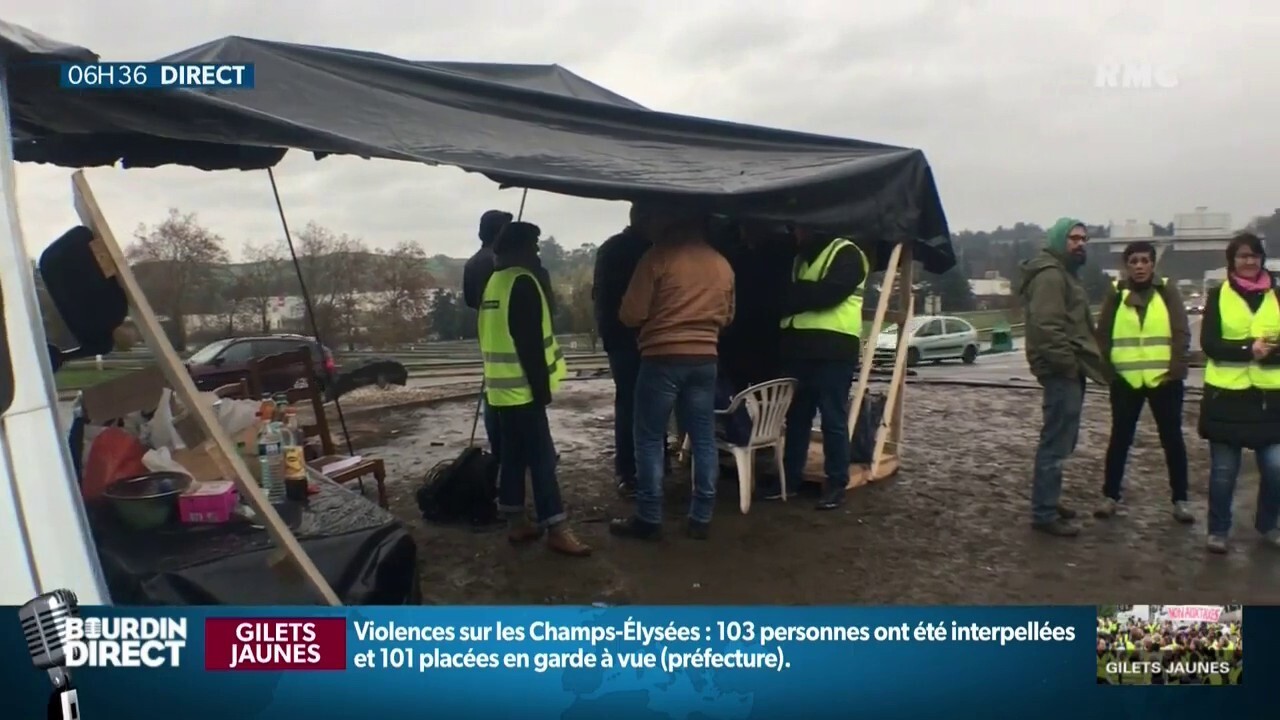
(111, 258)
(886, 456)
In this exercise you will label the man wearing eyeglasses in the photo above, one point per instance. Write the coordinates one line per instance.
(1062, 352)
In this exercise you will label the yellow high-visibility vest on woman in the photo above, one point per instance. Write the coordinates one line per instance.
(505, 384)
(1238, 324)
(845, 318)
(1142, 346)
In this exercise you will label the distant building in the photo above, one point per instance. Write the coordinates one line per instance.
(991, 291)
(285, 313)
(1196, 247)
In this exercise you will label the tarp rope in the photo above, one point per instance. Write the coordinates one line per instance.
(306, 299)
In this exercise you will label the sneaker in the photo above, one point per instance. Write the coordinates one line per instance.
(1107, 509)
(698, 530)
(832, 499)
(1272, 538)
(1216, 544)
(636, 528)
(1058, 527)
(1182, 513)
(771, 491)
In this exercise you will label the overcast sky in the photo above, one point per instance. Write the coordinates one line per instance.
(1002, 95)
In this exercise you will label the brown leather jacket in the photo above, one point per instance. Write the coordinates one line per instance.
(681, 297)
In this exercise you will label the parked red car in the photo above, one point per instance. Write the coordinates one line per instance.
(227, 361)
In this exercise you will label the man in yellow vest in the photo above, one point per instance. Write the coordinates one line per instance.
(821, 322)
(1061, 352)
(1143, 332)
(523, 367)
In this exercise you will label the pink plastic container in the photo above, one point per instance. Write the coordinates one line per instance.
(208, 502)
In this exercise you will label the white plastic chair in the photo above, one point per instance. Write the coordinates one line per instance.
(767, 404)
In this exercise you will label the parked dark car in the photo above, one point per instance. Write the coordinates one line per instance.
(227, 361)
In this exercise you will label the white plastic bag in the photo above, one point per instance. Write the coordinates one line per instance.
(161, 460)
(163, 433)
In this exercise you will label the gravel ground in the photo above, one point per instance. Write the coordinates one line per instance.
(951, 527)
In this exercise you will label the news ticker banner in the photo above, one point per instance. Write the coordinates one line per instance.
(615, 662)
(156, 76)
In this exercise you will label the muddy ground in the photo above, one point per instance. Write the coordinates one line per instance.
(952, 527)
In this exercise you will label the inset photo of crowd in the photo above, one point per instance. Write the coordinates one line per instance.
(1170, 645)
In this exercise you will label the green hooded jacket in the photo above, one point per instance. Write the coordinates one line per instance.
(1060, 333)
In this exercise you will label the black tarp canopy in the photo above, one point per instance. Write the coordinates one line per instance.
(539, 127)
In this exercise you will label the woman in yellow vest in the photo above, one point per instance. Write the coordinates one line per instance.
(523, 367)
(1144, 335)
(1241, 406)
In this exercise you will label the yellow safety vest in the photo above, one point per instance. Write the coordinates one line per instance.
(1102, 669)
(845, 318)
(505, 384)
(1239, 324)
(1142, 348)
(1234, 675)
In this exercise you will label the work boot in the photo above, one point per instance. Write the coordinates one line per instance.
(1107, 509)
(634, 527)
(520, 531)
(562, 540)
(1058, 527)
(1182, 513)
(1216, 544)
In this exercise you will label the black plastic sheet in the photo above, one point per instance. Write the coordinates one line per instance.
(540, 128)
(365, 554)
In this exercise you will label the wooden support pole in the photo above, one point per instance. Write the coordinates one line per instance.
(886, 459)
(869, 342)
(111, 258)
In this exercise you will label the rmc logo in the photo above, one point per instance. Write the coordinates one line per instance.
(1134, 76)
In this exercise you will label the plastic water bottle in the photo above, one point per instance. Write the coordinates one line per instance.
(271, 460)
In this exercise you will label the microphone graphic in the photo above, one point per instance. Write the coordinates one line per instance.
(44, 624)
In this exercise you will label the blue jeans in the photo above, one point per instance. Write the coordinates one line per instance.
(527, 447)
(624, 365)
(1063, 402)
(823, 389)
(1224, 470)
(690, 390)
(491, 429)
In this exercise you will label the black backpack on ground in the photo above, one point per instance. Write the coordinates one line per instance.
(464, 489)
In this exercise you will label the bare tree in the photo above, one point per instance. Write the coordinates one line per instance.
(177, 258)
(404, 294)
(262, 278)
(335, 268)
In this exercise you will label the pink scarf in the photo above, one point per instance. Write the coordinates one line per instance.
(1258, 284)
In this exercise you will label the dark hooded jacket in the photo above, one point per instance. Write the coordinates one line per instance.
(480, 266)
(1240, 418)
(1060, 338)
